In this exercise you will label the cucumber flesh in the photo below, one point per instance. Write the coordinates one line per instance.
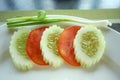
(49, 46)
(18, 51)
(89, 45)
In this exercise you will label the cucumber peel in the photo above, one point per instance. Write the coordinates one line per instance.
(18, 50)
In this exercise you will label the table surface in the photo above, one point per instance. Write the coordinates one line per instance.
(90, 14)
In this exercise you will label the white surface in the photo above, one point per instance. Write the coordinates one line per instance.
(107, 69)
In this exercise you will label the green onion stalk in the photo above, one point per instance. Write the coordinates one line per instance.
(33, 20)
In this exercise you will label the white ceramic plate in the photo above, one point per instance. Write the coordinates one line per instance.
(107, 69)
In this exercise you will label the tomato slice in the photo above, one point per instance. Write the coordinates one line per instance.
(33, 46)
(65, 45)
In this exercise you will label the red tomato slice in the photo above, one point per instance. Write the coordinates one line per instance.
(33, 46)
(65, 45)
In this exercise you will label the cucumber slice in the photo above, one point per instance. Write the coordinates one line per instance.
(89, 45)
(49, 46)
(18, 51)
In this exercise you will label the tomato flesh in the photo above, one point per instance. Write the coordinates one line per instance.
(65, 45)
(33, 46)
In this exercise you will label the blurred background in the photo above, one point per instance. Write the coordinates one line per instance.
(57, 4)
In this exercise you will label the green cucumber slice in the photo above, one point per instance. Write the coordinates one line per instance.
(49, 46)
(18, 51)
(89, 45)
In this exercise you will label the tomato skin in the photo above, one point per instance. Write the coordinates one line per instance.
(33, 46)
(65, 45)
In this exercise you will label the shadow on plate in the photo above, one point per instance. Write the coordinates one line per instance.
(4, 56)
